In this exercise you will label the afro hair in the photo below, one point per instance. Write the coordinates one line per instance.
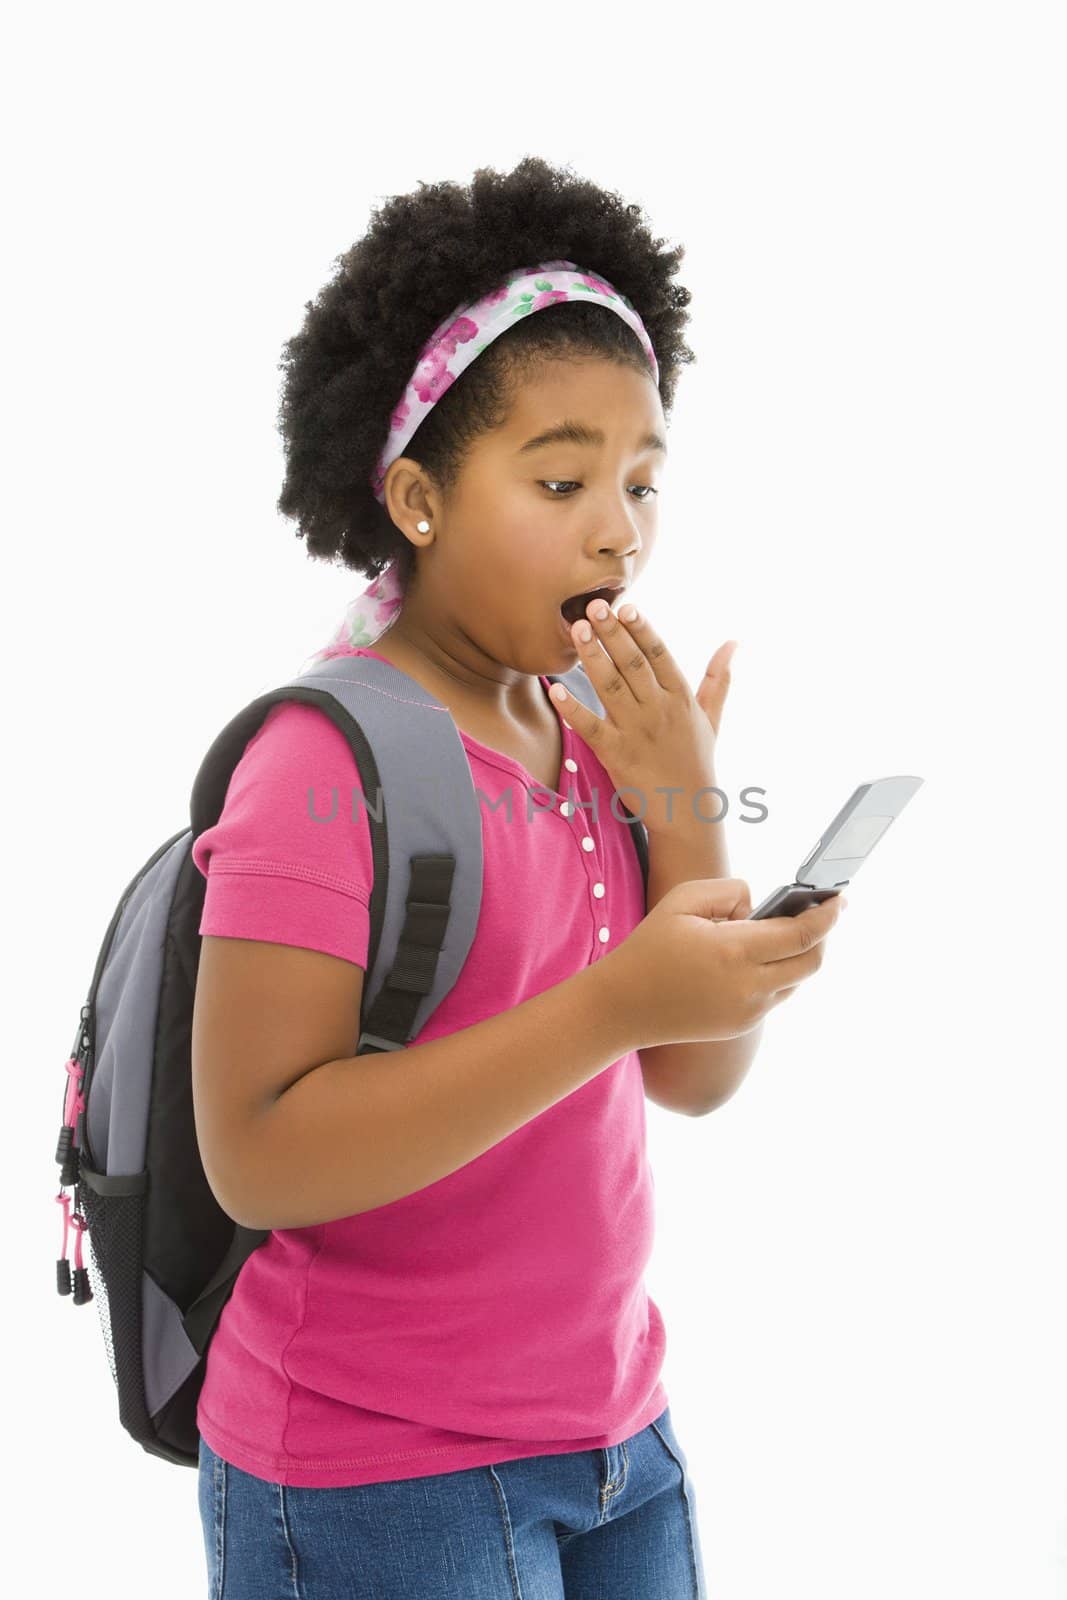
(424, 254)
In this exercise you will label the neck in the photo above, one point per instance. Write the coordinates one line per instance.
(453, 668)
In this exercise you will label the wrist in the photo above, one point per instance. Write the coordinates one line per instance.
(674, 811)
(686, 849)
(621, 998)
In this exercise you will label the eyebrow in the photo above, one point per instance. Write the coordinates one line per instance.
(570, 432)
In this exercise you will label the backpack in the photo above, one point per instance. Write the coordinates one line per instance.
(164, 1255)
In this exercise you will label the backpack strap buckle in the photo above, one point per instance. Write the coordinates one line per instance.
(378, 1043)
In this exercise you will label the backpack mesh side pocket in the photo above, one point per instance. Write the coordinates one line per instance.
(113, 1208)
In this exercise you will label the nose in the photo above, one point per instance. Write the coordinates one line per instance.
(626, 548)
(616, 533)
(622, 540)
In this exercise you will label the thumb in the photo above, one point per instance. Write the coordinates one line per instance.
(719, 899)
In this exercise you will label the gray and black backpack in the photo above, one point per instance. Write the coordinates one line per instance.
(164, 1256)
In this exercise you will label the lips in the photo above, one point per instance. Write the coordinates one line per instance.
(575, 605)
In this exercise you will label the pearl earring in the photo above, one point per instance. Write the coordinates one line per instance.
(423, 526)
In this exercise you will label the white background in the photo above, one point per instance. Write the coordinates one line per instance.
(860, 1257)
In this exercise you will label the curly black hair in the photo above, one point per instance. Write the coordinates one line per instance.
(424, 254)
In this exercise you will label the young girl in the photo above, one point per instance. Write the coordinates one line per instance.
(440, 1374)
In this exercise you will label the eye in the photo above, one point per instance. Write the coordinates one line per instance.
(570, 484)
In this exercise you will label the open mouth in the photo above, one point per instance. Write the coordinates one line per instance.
(574, 608)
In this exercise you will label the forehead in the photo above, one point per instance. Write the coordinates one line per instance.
(600, 396)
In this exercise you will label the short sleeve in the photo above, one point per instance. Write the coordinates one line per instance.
(289, 860)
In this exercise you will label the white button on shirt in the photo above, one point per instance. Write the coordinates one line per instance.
(588, 843)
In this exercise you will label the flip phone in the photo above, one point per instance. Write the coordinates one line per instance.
(843, 846)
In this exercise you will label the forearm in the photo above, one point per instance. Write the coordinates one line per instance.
(692, 1078)
(361, 1131)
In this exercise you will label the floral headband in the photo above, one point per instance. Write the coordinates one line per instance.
(448, 352)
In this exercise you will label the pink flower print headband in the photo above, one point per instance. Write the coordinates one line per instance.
(465, 333)
(448, 352)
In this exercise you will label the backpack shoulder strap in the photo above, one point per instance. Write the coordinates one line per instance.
(424, 822)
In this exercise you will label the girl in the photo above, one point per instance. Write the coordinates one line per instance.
(440, 1375)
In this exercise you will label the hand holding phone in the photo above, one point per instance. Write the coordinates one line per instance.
(843, 846)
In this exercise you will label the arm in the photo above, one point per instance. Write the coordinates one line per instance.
(692, 1078)
(285, 1148)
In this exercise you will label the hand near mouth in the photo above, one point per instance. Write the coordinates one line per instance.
(656, 734)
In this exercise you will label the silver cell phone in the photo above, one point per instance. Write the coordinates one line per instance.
(842, 848)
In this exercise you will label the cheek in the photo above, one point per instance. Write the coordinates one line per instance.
(523, 546)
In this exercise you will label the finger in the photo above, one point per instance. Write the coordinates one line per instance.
(785, 975)
(715, 684)
(783, 938)
(791, 970)
(743, 908)
(666, 670)
(717, 898)
(581, 719)
(601, 669)
(621, 650)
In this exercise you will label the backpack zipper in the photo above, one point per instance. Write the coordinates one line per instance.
(74, 1133)
(88, 1011)
(67, 1158)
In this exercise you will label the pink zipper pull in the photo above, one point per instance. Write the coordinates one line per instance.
(74, 1105)
(74, 1102)
(82, 1290)
(63, 1265)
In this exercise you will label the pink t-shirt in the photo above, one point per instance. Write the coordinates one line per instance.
(501, 1311)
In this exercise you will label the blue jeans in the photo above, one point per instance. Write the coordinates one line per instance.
(614, 1524)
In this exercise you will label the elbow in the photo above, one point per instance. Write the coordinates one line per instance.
(725, 1090)
(230, 1174)
(708, 1106)
(229, 1200)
